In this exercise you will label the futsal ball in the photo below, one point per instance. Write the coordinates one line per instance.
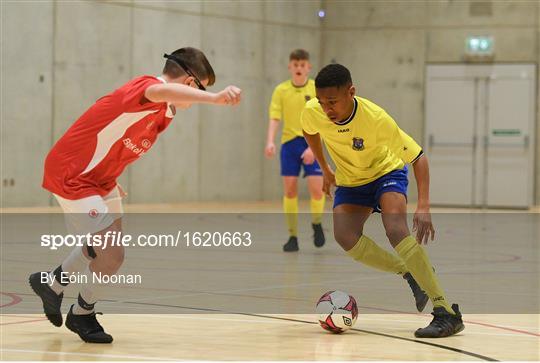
(337, 311)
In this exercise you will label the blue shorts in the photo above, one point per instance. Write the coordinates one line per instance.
(291, 159)
(369, 195)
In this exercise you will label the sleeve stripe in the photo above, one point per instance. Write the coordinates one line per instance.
(420, 154)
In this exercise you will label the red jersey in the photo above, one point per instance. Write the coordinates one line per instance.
(117, 130)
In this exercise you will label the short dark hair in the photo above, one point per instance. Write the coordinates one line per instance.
(333, 75)
(299, 54)
(196, 62)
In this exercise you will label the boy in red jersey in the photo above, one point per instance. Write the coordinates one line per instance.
(82, 167)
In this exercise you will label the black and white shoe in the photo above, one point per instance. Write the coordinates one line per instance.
(52, 302)
(443, 324)
(318, 235)
(420, 295)
(291, 245)
(87, 327)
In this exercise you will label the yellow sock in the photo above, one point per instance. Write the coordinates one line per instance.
(417, 262)
(290, 208)
(369, 253)
(317, 209)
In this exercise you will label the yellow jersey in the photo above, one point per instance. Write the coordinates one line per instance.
(365, 146)
(287, 104)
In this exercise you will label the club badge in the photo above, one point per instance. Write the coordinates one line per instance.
(357, 143)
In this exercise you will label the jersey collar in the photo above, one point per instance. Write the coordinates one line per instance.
(161, 79)
(302, 86)
(349, 119)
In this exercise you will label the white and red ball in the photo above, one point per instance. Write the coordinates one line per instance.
(337, 311)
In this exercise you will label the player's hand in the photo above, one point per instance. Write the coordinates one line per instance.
(329, 181)
(423, 226)
(229, 96)
(270, 150)
(122, 193)
(308, 157)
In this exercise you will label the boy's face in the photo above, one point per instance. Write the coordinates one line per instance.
(336, 102)
(299, 69)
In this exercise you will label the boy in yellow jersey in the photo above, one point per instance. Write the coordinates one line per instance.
(288, 101)
(371, 152)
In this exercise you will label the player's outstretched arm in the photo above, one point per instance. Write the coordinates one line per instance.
(422, 224)
(179, 94)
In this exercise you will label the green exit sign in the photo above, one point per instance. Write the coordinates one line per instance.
(479, 45)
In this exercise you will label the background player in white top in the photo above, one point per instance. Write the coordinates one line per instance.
(82, 167)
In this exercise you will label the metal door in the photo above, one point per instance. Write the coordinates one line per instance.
(479, 132)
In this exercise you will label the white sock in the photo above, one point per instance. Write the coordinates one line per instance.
(88, 295)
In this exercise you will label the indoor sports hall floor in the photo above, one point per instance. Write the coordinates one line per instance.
(173, 315)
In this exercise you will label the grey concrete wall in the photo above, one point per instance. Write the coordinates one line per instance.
(74, 52)
(387, 45)
(25, 101)
(86, 49)
(169, 172)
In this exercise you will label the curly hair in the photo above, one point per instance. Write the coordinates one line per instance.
(333, 75)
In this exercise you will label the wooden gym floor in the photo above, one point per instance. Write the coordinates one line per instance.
(384, 330)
